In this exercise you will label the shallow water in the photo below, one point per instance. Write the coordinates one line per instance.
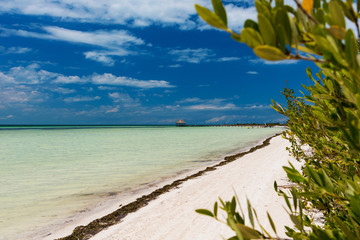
(47, 173)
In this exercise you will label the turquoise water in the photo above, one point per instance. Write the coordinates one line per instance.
(48, 173)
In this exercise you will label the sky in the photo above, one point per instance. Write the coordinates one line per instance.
(133, 62)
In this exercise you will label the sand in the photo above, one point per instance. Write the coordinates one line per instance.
(172, 215)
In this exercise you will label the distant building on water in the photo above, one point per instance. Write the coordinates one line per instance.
(180, 123)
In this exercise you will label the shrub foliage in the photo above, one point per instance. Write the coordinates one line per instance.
(325, 118)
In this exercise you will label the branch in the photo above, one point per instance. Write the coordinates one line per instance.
(297, 57)
(305, 12)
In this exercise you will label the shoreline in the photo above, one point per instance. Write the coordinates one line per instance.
(97, 225)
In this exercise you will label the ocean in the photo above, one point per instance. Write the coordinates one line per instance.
(48, 173)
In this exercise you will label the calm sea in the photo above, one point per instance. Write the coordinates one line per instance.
(48, 173)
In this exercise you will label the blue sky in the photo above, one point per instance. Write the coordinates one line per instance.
(133, 62)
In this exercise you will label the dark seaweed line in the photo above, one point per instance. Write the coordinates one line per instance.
(86, 232)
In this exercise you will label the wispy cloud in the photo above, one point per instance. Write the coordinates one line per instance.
(108, 39)
(192, 55)
(175, 65)
(81, 99)
(216, 119)
(205, 104)
(62, 90)
(211, 107)
(32, 74)
(199, 55)
(6, 117)
(137, 13)
(237, 15)
(228, 59)
(113, 42)
(100, 57)
(251, 72)
(110, 79)
(14, 50)
(27, 75)
(20, 95)
(124, 99)
(283, 62)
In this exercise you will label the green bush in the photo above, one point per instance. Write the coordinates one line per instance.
(326, 117)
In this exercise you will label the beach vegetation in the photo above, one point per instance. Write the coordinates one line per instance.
(324, 121)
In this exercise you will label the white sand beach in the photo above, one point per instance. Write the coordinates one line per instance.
(172, 215)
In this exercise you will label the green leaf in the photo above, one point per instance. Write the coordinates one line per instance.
(275, 183)
(236, 37)
(220, 10)
(337, 32)
(282, 19)
(210, 17)
(233, 206)
(251, 37)
(215, 209)
(271, 222)
(279, 3)
(269, 53)
(267, 30)
(204, 212)
(251, 24)
(296, 221)
(348, 233)
(320, 16)
(261, 8)
(247, 232)
(351, 48)
(336, 14)
(251, 217)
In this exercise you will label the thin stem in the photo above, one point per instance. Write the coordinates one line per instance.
(231, 32)
(357, 28)
(297, 57)
(305, 12)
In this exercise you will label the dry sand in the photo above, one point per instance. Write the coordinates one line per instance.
(172, 215)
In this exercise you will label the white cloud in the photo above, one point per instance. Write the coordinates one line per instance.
(81, 99)
(109, 39)
(190, 100)
(69, 79)
(192, 55)
(228, 59)
(20, 94)
(175, 66)
(113, 110)
(32, 74)
(251, 72)
(63, 90)
(197, 56)
(110, 79)
(211, 107)
(216, 119)
(124, 99)
(6, 117)
(238, 15)
(15, 50)
(283, 62)
(100, 57)
(105, 88)
(206, 104)
(113, 42)
(257, 107)
(26, 75)
(138, 13)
